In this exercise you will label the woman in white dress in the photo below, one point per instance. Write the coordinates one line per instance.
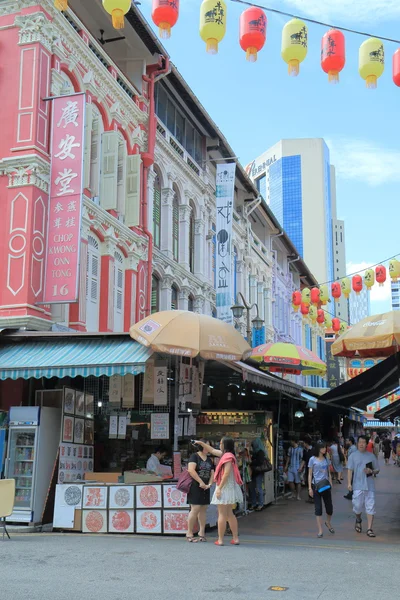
(228, 491)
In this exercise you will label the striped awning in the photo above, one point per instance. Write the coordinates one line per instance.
(72, 357)
(385, 424)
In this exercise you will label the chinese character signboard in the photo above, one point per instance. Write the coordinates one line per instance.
(333, 367)
(224, 281)
(64, 227)
(160, 386)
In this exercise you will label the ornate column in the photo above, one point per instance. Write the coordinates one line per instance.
(199, 305)
(167, 197)
(199, 262)
(166, 292)
(253, 289)
(107, 284)
(184, 298)
(151, 177)
(184, 227)
(130, 290)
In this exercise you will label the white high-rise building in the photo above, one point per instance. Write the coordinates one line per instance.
(395, 295)
(359, 306)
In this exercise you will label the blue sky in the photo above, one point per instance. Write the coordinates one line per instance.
(255, 105)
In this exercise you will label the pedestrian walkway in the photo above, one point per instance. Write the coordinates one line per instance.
(291, 518)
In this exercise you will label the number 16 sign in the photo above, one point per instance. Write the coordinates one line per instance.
(65, 205)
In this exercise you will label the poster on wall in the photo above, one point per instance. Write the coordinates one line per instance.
(225, 188)
(175, 522)
(121, 521)
(160, 386)
(148, 383)
(121, 497)
(113, 428)
(128, 393)
(174, 498)
(122, 423)
(69, 401)
(65, 203)
(75, 460)
(159, 426)
(94, 521)
(79, 431)
(115, 391)
(68, 429)
(148, 496)
(148, 521)
(94, 497)
(79, 404)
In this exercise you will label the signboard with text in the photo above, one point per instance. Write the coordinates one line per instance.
(332, 367)
(65, 205)
(225, 188)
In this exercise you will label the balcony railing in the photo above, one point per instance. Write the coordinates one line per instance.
(179, 149)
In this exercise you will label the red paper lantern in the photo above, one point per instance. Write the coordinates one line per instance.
(315, 296)
(165, 14)
(396, 67)
(336, 324)
(333, 54)
(296, 300)
(357, 283)
(321, 316)
(305, 309)
(380, 274)
(252, 32)
(336, 290)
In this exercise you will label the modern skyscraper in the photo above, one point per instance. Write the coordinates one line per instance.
(359, 306)
(297, 181)
(395, 295)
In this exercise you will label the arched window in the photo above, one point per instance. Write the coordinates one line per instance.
(155, 294)
(191, 238)
(118, 292)
(191, 303)
(214, 255)
(174, 298)
(157, 211)
(93, 285)
(175, 227)
(214, 312)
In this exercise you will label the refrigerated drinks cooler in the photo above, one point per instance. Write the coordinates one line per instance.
(34, 438)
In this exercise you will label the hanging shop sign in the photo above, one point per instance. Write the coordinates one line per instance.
(65, 205)
(332, 367)
(225, 188)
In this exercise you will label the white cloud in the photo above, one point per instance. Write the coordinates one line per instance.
(364, 161)
(380, 295)
(361, 11)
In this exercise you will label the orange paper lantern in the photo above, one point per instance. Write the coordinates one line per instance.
(336, 324)
(357, 283)
(315, 296)
(296, 300)
(165, 14)
(333, 54)
(321, 316)
(252, 32)
(336, 290)
(305, 309)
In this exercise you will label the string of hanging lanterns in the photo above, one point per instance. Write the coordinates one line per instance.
(253, 33)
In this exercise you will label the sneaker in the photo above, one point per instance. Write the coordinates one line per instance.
(291, 496)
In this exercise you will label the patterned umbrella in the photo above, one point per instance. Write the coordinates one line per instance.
(378, 335)
(185, 333)
(289, 359)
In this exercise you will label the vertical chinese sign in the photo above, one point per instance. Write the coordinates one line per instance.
(65, 208)
(225, 188)
(332, 367)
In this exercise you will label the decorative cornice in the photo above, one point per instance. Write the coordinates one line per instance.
(167, 196)
(26, 170)
(36, 28)
(199, 227)
(184, 212)
(12, 7)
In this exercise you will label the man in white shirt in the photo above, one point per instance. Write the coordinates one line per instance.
(153, 463)
(362, 468)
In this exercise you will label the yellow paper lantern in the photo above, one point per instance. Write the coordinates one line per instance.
(212, 23)
(324, 294)
(294, 45)
(346, 287)
(369, 278)
(306, 296)
(313, 313)
(371, 61)
(328, 321)
(61, 4)
(394, 269)
(117, 9)
(343, 327)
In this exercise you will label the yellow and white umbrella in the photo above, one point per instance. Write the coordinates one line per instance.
(378, 335)
(184, 333)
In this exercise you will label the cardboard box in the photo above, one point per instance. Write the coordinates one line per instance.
(141, 478)
(102, 477)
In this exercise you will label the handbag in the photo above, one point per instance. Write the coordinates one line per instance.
(184, 482)
(264, 468)
(322, 486)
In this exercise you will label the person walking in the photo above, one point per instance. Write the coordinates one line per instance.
(320, 486)
(308, 452)
(362, 468)
(337, 459)
(377, 446)
(258, 468)
(201, 469)
(228, 491)
(294, 467)
(387, 449)
(351, 447)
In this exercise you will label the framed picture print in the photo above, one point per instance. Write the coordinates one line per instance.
(69, 401)
(121, 497)
(68, 429)
(175, 522)
(79, 431)
(79, 404)
(94, 496)
(173, 498)
(89, 406)
(89, 432)
(148, 496)
(94, 521)
(121, 521)
(148, 521)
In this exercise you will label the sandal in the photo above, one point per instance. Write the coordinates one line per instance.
(358, 526)
(218, 543)
(370, 533)
(330, 529)
(201, 539)
(191, 539)
(320, 535)
(233, 543)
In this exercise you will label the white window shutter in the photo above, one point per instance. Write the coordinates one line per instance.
(121, 185)
(109, 170)
(132, 204)
(88, 145)
(94, 158)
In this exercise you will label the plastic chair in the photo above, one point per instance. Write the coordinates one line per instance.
(7, 497)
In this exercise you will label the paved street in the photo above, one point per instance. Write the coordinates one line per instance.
(279, 548)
